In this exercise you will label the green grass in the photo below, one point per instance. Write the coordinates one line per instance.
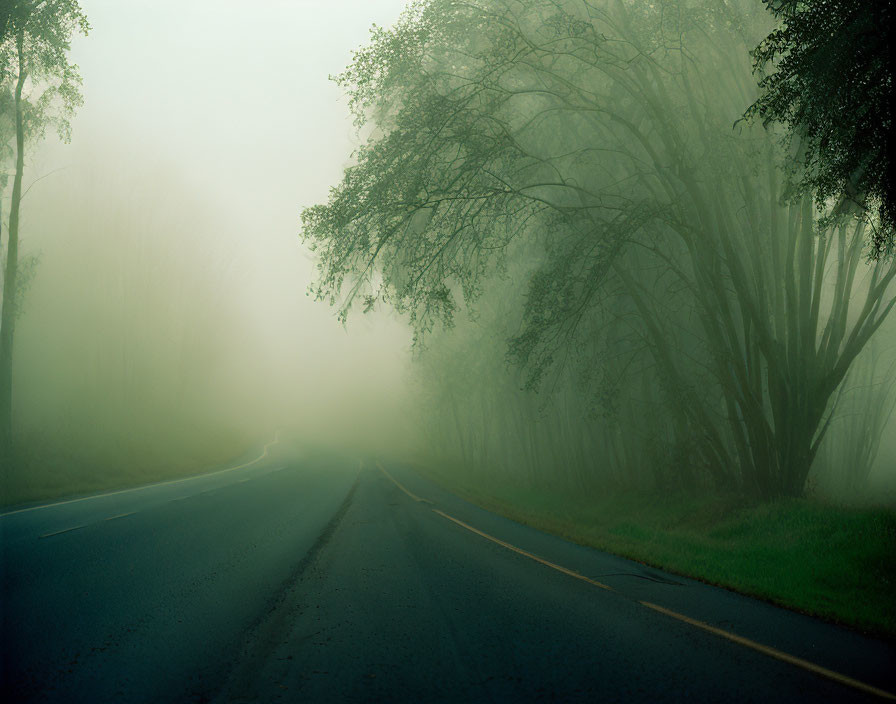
(835, 562)
(46, 468)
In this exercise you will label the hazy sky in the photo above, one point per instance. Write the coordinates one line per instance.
(237, 93)
(233, 100)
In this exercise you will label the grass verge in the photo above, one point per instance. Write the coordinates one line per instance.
(835, 562)
(45, 470)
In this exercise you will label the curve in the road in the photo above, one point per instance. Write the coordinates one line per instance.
(142, 487)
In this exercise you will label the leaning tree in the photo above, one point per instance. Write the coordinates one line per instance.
(601, 133)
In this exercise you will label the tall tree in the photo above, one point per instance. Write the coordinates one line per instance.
(602, 132)
(828, 78)
(36, 38)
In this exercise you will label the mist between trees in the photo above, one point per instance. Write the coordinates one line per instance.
(156, 338)
(570, 185)
(609, 282)
(157, 293)
(127, 361)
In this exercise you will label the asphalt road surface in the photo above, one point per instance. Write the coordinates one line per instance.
(331, 579)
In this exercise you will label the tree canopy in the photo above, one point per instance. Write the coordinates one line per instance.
(828, 78)
(39, 87)
(592, 142)
(45, 29)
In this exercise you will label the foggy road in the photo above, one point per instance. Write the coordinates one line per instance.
(332, 580)
(144, 595)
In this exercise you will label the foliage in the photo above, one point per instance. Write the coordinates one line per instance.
(596, 137)
(54, 91)
(45, 87)
(828, 78)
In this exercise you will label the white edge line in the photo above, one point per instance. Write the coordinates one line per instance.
(148, 486)
(120, 515)
(64, 530)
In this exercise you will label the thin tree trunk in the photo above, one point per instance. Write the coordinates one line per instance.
(8, 313)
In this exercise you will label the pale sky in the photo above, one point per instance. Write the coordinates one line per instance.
(233, 100)
(229, 89)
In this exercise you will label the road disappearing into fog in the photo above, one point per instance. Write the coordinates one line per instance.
(327, 579)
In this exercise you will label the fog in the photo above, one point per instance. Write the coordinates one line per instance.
(168, 297)
(461, 350)
(632, 307)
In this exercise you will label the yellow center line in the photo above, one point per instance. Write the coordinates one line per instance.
(500, 542)
(772, 652)
(400, 486)
(740, 640)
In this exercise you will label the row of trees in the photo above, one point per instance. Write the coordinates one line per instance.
(613, 423)
(587, 148)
